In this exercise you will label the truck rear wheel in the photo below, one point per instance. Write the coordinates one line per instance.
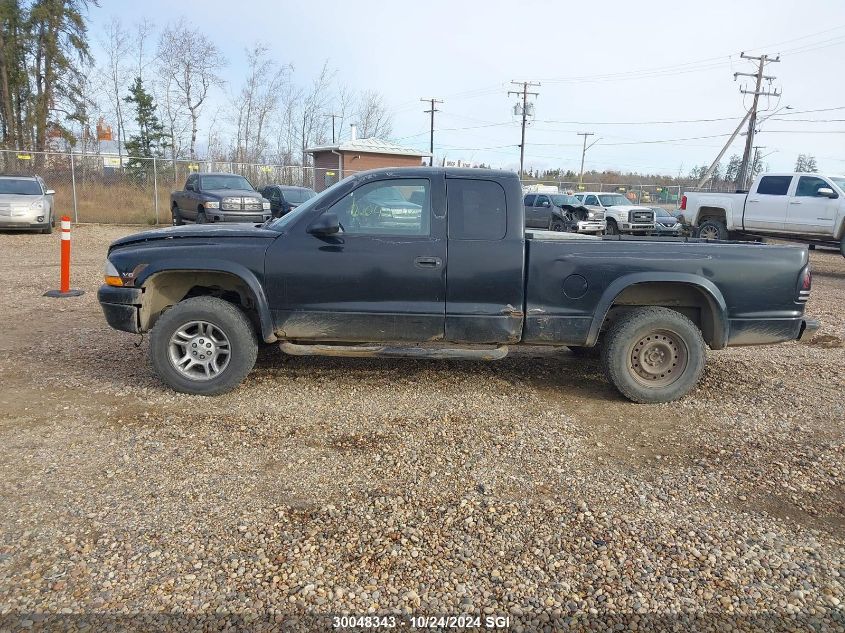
(713, 230)
(177, 217)
(204, 346)
(653, 355)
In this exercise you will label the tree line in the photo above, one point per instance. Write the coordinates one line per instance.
(162, 91)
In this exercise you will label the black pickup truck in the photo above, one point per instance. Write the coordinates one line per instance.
(436, 263)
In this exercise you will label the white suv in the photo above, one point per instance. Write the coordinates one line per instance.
(622, 215)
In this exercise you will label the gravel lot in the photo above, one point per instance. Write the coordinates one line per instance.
(526, 487)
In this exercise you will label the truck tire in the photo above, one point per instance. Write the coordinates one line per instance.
(612, 227)
(557, 225)
(842, 245)
(713, 230)
(177, 216)
(204, 346)
(653, 355)
(201, 219)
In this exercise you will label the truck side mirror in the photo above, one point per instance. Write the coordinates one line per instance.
(545, 204)
(826, 192)
(326, 224)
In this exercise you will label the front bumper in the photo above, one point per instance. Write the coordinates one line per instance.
(666, 230)
(251, 217)
(591, 226)
(120, 307)
(25, 222)
(645, 228)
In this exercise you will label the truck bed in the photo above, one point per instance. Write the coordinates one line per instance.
(571, 282)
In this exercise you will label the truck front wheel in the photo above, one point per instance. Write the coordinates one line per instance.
(653, 355)
(612, 228)
(204, 346)
(842, 245)
(713, 230)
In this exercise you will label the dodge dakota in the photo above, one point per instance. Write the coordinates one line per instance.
(436, 263)
(797, 206)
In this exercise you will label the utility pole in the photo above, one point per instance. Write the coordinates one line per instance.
(333, 117)
(432, 101)
(524, 92)
(584, 153)
(762, 60)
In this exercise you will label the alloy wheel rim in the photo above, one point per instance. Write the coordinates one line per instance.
(658, 359)
(199, 350)
(709, 233)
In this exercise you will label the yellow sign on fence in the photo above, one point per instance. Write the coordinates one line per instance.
(24, 156)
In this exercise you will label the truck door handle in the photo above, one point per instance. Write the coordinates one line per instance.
(795, 202)
(427, 262)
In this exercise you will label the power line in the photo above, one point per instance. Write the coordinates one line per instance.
(433, 109)
(525, 93)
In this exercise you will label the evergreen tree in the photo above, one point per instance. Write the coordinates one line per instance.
(150, 139)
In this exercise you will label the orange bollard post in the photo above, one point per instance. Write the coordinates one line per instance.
(64, 282)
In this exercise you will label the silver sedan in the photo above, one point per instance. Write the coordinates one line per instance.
(26, 204)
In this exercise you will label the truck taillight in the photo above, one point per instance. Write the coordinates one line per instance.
(683, 203)
(804, 284)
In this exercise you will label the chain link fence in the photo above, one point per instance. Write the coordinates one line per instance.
(657, 194)
(125, 190)
(115, 189)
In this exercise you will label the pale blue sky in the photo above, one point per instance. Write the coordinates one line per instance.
(467, 52)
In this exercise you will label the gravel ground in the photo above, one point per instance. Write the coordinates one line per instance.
(526, 487)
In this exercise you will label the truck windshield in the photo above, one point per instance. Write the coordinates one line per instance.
(615, 200)
(225, 181)
(280, 224)
(560, 200)
(839, 181)
(20, 187)
(298, 196)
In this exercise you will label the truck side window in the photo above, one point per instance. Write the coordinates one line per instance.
(529, 200)
(190, 184)
(592, 200)
(384, 207)
(478, 209)
(541, 200)
(774, 185)
(808, 186)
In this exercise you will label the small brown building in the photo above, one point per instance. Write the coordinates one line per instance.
(334, 162)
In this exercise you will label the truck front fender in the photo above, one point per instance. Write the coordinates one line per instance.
(212, 266)
(718, 312)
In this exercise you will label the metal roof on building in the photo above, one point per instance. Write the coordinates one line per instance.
(368, 146)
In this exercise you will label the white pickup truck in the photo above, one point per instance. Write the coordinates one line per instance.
(800, 206)
(622, 215)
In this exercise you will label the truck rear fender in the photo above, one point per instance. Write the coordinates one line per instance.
(165, 283)
(692, 295)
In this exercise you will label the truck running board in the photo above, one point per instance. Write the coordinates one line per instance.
(383, 351)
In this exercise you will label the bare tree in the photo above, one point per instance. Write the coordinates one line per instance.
(372, 116)
(193, 62)
(143, 30)
(115, 72)
(257, 101)
(312, 122)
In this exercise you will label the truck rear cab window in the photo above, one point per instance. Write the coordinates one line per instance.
(385, 207)
(808, 186)
(774, 185)
(478, 209)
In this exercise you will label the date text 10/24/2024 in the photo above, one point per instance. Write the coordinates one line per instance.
(421, 622)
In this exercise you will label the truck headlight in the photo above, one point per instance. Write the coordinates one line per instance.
(591, 215)
(37, 205)
(212, 204)
(112, 276)
(265, 205)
